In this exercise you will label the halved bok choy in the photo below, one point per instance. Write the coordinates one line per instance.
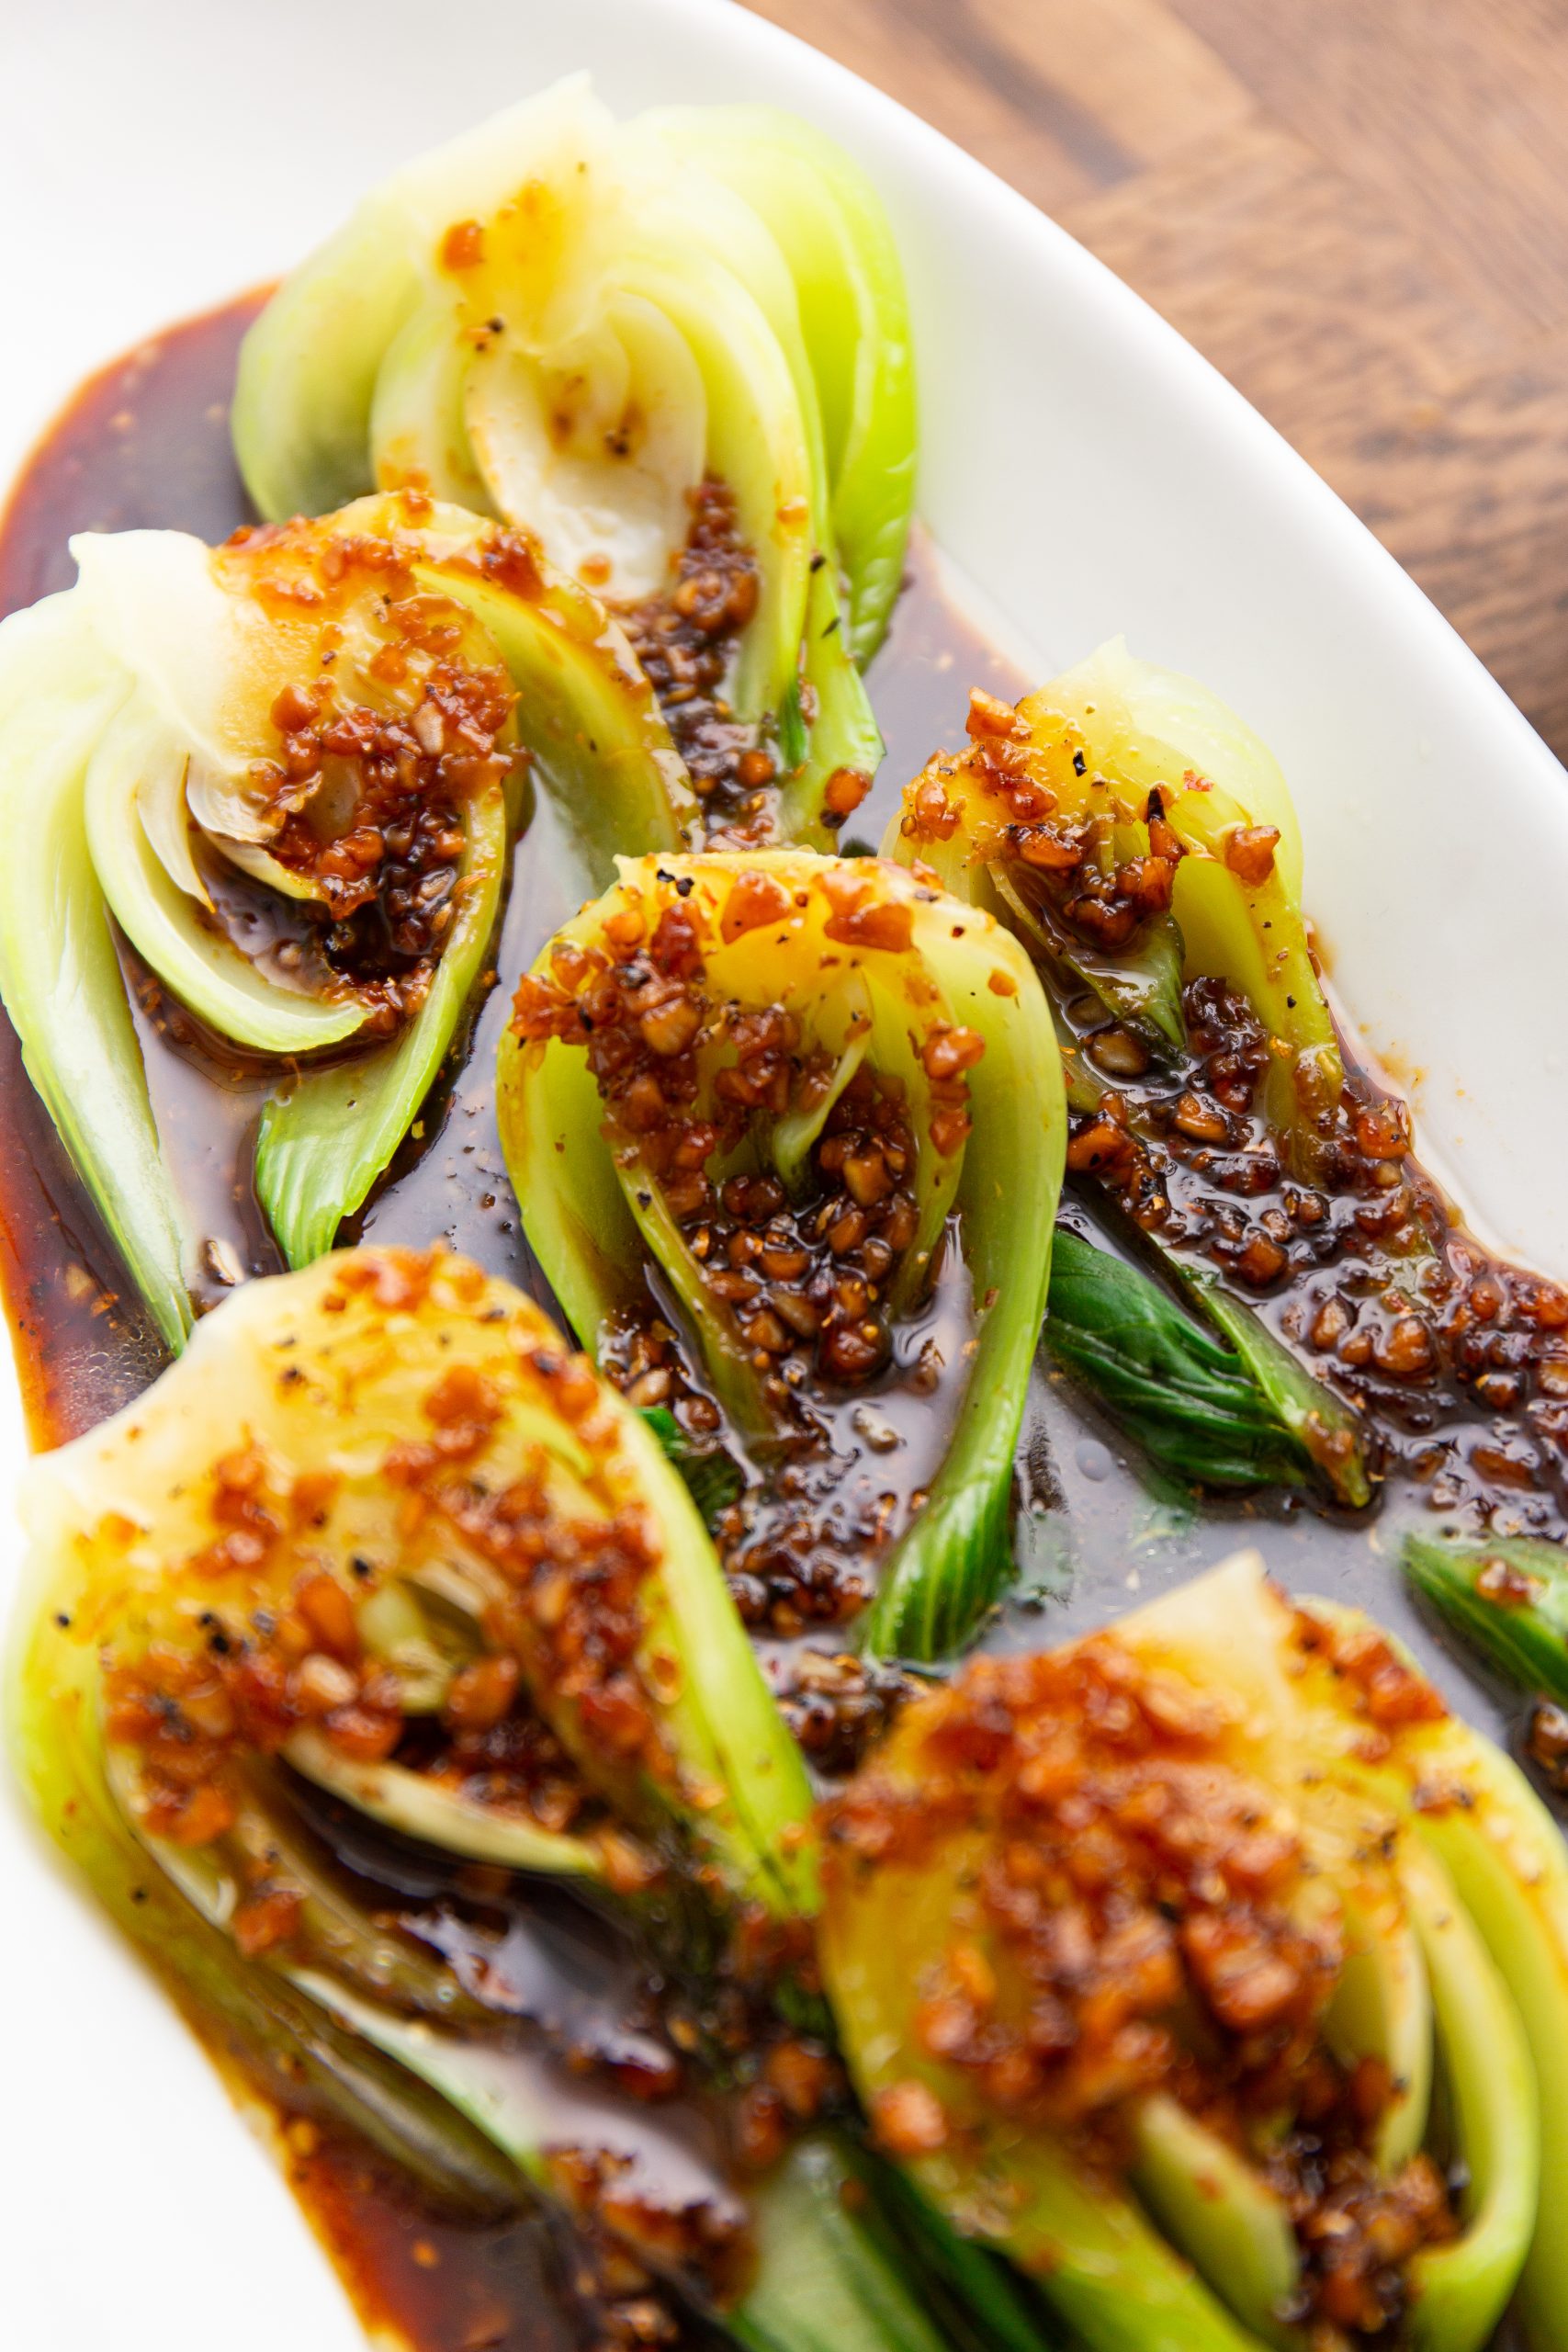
(286, 772)
(376, 1503)
(1139, 837)
(802, 1093)
(380, 1529)
(583, 327)
(1212, 1972)
(1506, 1596)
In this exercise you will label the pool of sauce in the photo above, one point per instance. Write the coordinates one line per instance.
(145, 444)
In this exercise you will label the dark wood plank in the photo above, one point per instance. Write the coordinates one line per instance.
(1469, 491)
(1450, 114)
(1358, 208)
(1057, 109)
(1272, 263)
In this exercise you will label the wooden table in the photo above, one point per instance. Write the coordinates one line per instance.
(1357, 208)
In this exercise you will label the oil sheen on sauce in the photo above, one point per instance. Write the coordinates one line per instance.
(146, 444)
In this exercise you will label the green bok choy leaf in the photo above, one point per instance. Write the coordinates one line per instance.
(1189, 1403)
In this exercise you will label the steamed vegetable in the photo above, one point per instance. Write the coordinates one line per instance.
(59, 975)
(801, 1090)
(379, 1495)
(1139, 837)
(589, 329)
(1190, 1403)
(1508, 1596)
(283, 769)
(1175, 1964)
(375, 1497)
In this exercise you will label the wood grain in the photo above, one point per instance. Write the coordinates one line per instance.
(1358, 208)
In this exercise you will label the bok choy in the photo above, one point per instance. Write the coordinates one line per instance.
(1141, 841)
(1216, 1976)
(380, 1528)
(1505, 1595)
(380, 1497)
(285, 771)
(803, 1092)
(589, 328)
(1137, 834)
(1190, 1403)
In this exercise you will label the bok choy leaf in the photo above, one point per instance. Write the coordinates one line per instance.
(1189, 1403)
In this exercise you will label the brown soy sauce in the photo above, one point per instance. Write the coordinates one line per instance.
(145, 443)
